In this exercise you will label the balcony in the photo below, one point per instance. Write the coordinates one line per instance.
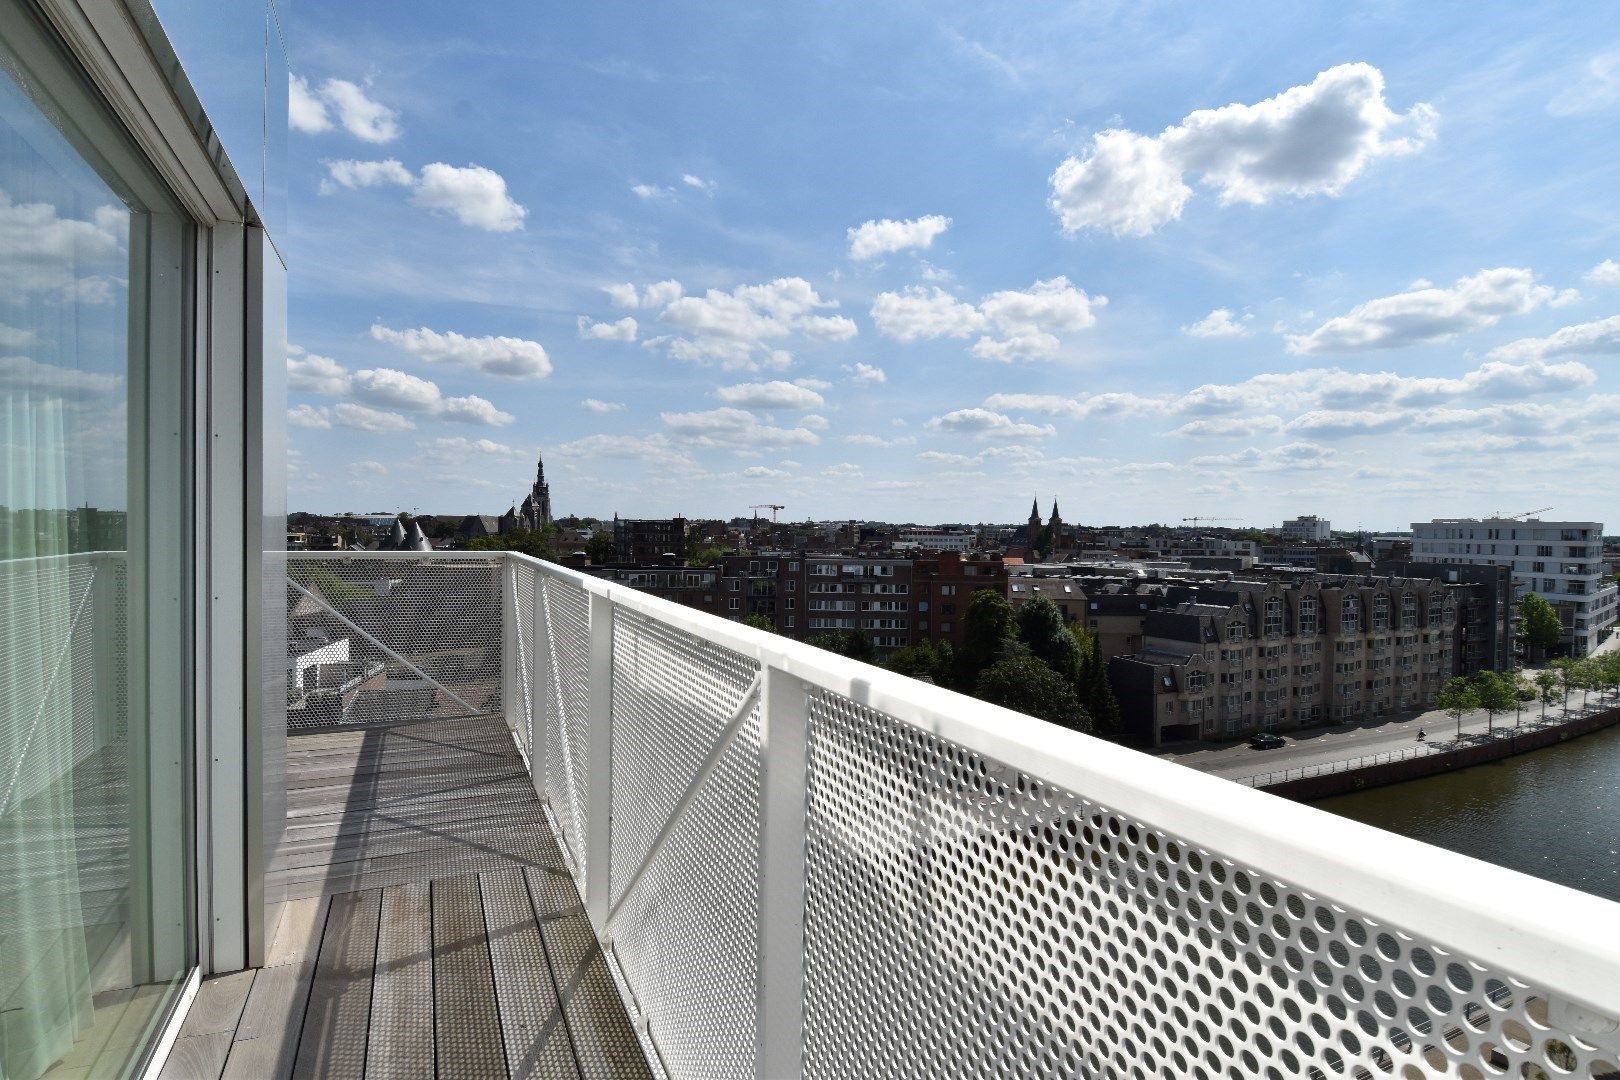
(602, 834)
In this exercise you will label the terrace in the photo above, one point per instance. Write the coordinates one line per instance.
(546, 825)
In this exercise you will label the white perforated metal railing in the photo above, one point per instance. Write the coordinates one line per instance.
(802, 865)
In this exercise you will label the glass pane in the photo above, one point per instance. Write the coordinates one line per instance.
(95, 938)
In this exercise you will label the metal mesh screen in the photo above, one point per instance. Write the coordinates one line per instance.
(967, 920)
(567, 623)
(524, 584)
(686, 790)
(387, 641)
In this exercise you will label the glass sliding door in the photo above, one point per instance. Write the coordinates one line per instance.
(95, 534)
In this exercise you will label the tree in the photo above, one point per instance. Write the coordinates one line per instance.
(1584, 677)
(1546, 689)
(1568, 680)
(1539, 626)
(850, 643)
(1523, 691)
(1494, 694)
(1029, 686)
(924, 660)
(760, 622)
(1458, 697)
(1097, 693)
(599, 548)
(535, 542)
(1041, 629)
(707, 555)
(1082, 637)
(990, 637)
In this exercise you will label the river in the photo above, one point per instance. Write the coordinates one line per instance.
(1554, 813)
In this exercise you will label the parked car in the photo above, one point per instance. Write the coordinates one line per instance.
(1267, 740)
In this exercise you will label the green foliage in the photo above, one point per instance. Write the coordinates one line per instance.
(537, 543)
(1494, 694)
(925, 659)
(850, 643)
(599, 548)
(334, 590)
(989, 629)
(705, 555)
(1041, 630)
(1539, 626)
(1097, 693)
(1458, 696)
(761, 622)
(1547, 688)
(1082, 637)
(1029, 686)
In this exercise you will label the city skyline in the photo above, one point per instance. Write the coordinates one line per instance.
(901, 265)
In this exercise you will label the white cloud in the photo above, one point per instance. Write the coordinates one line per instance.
(370, 468)
(866, 373)
(983, 423)
(916, 313)
(1600, 337)
(388, 388)
(770, 395)
(844, 470)
(874, 238)
(27, 374)
(1016, 324)
(506, 357)
(706, 186)
(737, 329)
(473, 409)
(306, 112)
(1219, 324)
(596, 405)
(1308, 140)
(460, 445)
(1428, 313)
(648, 191)
(877, 442)
(348, 415)
(41, 252)
(656, 295)
(622, 330)
(656, 450)
(1226, 427)
(1598, 88)
(474, 195)
(1606, 272)
(363, 174)
(813, 422)
(360, 115)
(13, 337)
(733, 429)
(761, 472)
(813, 384)
(1294, 455)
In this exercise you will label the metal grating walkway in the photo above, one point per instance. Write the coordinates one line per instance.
(431, 929)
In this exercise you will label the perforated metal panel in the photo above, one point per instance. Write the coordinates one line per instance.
(685, 842)
(567, 622)
(423, 640)
(966, 920)
(524, 584)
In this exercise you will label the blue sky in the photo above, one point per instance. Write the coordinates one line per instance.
(918, 262)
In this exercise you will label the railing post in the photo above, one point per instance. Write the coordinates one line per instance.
(784, 714)
(599, 759)
(511, 668)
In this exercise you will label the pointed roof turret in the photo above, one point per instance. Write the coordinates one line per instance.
(396, 536)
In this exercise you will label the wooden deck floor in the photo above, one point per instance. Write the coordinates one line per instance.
(432, 928)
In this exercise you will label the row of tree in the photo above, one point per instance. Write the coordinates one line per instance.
(1025, 659)
(1498, 692)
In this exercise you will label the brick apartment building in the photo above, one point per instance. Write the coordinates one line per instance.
(1268, 655)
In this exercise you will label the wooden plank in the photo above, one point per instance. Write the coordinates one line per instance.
(275, 1005)
(298, 938)
(537, 1042)
(401, 1036)
(467, 1028)
(260, 1059)
(604, 1041)
(333, 1042)
(217, 1006)
(197, 1057)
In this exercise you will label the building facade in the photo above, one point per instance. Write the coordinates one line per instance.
(1266, 656)
(1307, 529)
(1559, 560)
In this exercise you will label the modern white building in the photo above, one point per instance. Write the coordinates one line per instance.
(1307, 529)
(961, 540)
(1560, 560)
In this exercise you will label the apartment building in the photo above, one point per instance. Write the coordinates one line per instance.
(1307, 529)
(648, 540)
(944, 584)
(959, 540)
(1274, 655)
(1560, 560)
(692, 586)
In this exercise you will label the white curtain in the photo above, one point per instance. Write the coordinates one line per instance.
(45, 990)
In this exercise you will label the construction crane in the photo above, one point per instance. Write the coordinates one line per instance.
(772, 507)
(1196, 520)
(1522, 514)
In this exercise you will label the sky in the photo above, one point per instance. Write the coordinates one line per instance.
(922, 262)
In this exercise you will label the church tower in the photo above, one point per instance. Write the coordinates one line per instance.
(1056, 526)
(1035, 521)
(538, 510)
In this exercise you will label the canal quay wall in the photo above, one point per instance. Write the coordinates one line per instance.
(1378, 773)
